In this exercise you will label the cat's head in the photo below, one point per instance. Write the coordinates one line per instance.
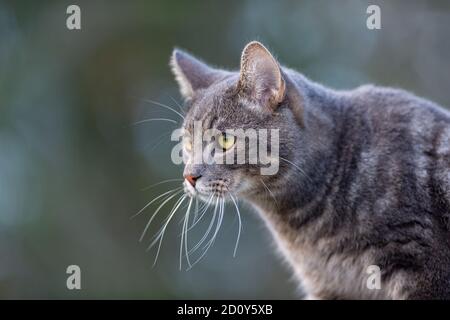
(253, 99)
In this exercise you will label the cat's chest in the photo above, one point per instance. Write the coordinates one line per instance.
(325, 274)
(335, 277)
(322, 271)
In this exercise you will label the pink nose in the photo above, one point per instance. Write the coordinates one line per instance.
(191, 179)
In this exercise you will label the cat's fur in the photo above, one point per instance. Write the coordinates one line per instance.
(370, 184)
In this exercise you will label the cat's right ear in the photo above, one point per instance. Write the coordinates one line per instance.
(261, 78)
(191, 73)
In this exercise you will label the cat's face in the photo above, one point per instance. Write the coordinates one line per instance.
(219, 110)
(224, 109)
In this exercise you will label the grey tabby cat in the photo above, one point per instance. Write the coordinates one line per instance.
(365, 180)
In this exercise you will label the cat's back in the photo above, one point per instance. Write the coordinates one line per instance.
(397, 106)
(398, 120)
(408, 138)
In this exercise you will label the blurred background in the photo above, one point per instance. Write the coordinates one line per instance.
(73, 167)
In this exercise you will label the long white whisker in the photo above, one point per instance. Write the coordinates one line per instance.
(184, 236)
(196, 209)
(205, 204)
(205, 250)
(155, 213)
(180, 107)
(156, 142)
(211, 241)
(219, 223)
(203, 212)
(174, 207)
(163, 106)
(240, 224)
(298, 168)
(292, 164)
(208, 230)
(153, 119)
(182, 218)
(148, 204)
(270, 192)
(163, 229)
(161, 182)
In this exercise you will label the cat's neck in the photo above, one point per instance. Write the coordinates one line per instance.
(301, 178)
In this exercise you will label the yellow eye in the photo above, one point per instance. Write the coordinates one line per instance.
(226, 141)
(188, 144)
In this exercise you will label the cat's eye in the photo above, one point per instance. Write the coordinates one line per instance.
(226, 141)
(188, 144)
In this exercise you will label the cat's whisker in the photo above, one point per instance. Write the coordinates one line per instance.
(196, 209)
(219, 223)
(240, 223)
(162, 105)
(182, 218)
(161, 233)
(184, 235)
(155, 213)
(205, 204)
(203, 212)
(297, 167)
(153, 119)
(208, 230)
(158, 234)
(270, 191)
(152, 201)
(180, 107)
(156, 142)
(161, 182)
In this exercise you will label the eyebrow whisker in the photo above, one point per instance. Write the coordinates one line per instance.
(162, 105)
(154, 119)
(180, 107)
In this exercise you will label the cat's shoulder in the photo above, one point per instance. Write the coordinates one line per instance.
(386, 94)
(396, 100)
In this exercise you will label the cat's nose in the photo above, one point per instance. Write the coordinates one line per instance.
(191, 179)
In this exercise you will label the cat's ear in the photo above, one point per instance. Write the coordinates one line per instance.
(191, 73)
(260, 76)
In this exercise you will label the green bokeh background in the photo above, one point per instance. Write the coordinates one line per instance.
(72, 165)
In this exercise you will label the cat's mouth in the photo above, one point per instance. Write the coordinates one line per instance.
(206, 191)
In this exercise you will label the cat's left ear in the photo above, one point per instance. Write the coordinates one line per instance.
(260, 76)
(191, 73)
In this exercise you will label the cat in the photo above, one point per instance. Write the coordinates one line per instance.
(363, 181)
